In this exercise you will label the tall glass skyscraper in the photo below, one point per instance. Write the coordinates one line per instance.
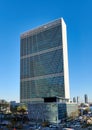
(86, 98)
(44, 63)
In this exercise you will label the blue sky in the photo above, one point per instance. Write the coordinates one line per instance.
(18, 16)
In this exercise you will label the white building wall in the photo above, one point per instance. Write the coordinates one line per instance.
(65, 59)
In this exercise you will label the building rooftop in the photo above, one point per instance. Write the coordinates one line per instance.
(41, 28)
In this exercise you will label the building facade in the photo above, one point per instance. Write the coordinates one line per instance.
(44, 63)
(53, 112)
(86, 98)
(74, 99)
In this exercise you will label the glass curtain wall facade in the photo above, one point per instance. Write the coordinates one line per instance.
(42, 63)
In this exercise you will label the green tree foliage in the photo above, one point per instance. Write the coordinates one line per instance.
(22, 109)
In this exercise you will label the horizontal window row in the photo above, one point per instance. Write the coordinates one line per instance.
(42, 88)
(41, 41)
(43, 64)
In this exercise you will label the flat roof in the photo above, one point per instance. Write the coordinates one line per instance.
(41, 28)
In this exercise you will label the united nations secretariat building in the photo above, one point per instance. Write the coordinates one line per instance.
(44, 80)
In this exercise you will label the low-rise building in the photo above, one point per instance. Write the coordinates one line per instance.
(53, 112)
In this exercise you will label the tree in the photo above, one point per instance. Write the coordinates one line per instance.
(13, 109)
(22, 109)
(4, 106)
(74, 114)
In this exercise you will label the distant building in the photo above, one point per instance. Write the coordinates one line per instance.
(3, 101)
(85, 98)
(78, 99)
(14, 104)
(74, 99)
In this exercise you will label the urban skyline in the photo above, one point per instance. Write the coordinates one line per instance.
(15, 19)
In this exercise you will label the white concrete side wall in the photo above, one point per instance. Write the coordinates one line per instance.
(65, 59)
